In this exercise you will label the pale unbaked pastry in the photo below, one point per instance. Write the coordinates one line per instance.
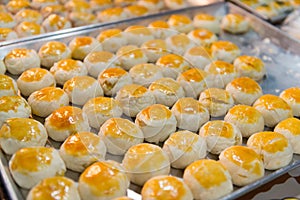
(166, 91)
(219, 135)
(145, 74)
(35, 79)
(235, 23)
(100, 109)
(112, 14)
(166, 187)
(119, 135)
(7, 20)
(273, 108)
(144, 161)
(82, 88)
(178, 44)
(17, 133)
(103, 180)
(20, 59)
(225, 51)
(290, 128)
(291, 96)
(136, 10)
(66, 121)
(217, 101)
(26, 29)
(157, 122)
(161, 29)
(202, 37)
(187, 110)
(28, 15)
(7, 34)
(28, 166)
(112, 39)
(55, 22)
(246, 118)
(155, 49)
(12, 107)
(81, 150)
(244, 90)
(244, 164)
(207, 21)
(8, 86)
(44, 101)
(52, 52)
(184, 147)
(198, 56)
(274, 149)
(208, 179)
(83, 45)
(57, 186)
(133, 98)
(180, 23)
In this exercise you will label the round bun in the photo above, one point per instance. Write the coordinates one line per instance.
(178, 44)
(82, 19)
(7, 34)
(83, 45)
(25, 29)
(198, 56)
(225, 51)
(28, 15)
(81, 150)
(166, 187)
(175, 4)
(246, 118)
(208, 179)
(29, 166)
(82, 88)
(161, 29)
(244, 164)
(119, 135)
(44, 101)
(244, 90)
(180, 23)
(203, 37)
(8, 86)
(207, 21)
(100, 109)
(58, 185)
(145, 74)
(157, 122)
(15, 6)
(58, 9)
(98, 5)
(152, 5)
(7, 20)
(66, 121)
(234, 23)
(274, 148)
(273, 108)
(78, 6)
(187, 110)
(112, 39)
(112, 14)
(55, 22)
(37, 4)
(103, 180)
(155, 49)
(291, 97)
(136, 10)
(17, 133)
(183, 148)
(144, 161)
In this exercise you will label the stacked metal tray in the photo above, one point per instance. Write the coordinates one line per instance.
(280, 53)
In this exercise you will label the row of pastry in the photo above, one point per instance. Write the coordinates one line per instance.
(22, 18)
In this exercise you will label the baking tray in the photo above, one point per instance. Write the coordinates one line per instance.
(280, 53)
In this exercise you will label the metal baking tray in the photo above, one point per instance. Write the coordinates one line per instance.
(280, 53)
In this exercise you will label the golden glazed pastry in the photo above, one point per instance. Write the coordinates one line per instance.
(244, 164)
(83, 45)
(112, 14)
(14, 6)
(244, 90)
(250, 66)
(172, 65)
(175, 4)
(82, 18)
(112, 39)
(152, 5)
(35, 79)
(157, 122)
(198, 56)
(113, 79)
(221, 72)
(161, 29)
(290, 128)
(187, 110)
(225, 51)
(17, 133)
(166, 187)
(44, 101)
(55, 22)
(25, 29)
(52, 52)
(37, 4)
(136, 10)
(291, 96)
(219, 135)
(166, 91)
(235, 23)
(29, 15)
(7, 34)
(119, 135)
(54, 9)
(282, 6)
(66, 121)
(144, 161)
(194, 81)
(180, 43)
(246, 118)
(82, 88)
(103, 180)
(54, 187)
(133, 98)
(137, 34)
(208, 179)
(98, 5)
(184, 147)
(131, 55)
(12, 107)
(28, 166)
(124, 2)
(267, 10)
(7, 20)
(145, 74)
(273, 108)
(8, 86)
(100, 109)
(78, 6)
(19, 60)
(180, 23)
(207, 21)
(217, 101)
(202, 37)
(81, 150)
(274, 148)
(155, 49)
(66, 69)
